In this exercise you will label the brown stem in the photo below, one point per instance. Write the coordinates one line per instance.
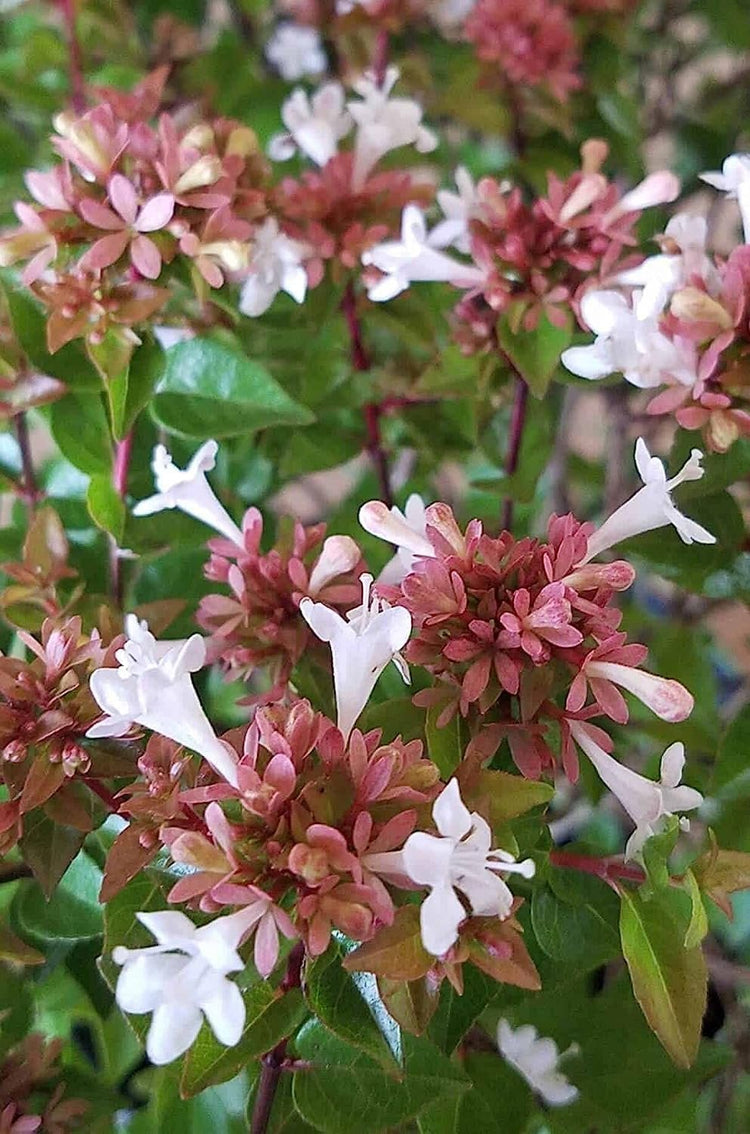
(29, 489)
(14, 871)
(604, 868)
(75, 65)
(104, 794)
(517, 422)
(274, 1061)
(372, 411)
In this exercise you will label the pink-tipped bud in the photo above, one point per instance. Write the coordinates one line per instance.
(666, 698)
(617, 576)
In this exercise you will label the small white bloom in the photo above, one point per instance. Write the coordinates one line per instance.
(460, 859)
(658, 188)
(536, 1058)
(384, 124)
(407, 530)
(661, 276)
(295, 51)
(338, 555)
(652, 506)
(362, 645)
(458, 209)
(449, 15)
(275, 265)
(168, 337)
(630, 342)
(152, 687)
(182, 979)
(188, 490)
(734, 180)
(412, 259)
(648, 804)
(315, 125)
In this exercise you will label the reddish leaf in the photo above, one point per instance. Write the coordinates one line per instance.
(396, 951)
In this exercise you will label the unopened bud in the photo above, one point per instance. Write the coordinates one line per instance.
(311, 863)
(694, 305)
(14, 752)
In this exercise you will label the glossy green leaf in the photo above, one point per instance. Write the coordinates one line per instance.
(72, 914)
(338, 1003)
(534, 354)
(669, 980)
(209, 390)
(80, 428)
(106, 507)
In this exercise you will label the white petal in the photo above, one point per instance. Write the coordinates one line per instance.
(173, 1030)
(140, 985)
(225, 1012)
(439, 919)
(451, 815)
(603, 311)
(427, 860)
(592, 362)
(169, 927)
(672, 763)
(256, 296)
(325, 623)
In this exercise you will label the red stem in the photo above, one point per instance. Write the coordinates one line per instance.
(274, 1061)
(29, 490)
(380, 57)
(517, 422)
(372, 411)
(75, 65)
(604, 868)
(123, 452)
(105, 796)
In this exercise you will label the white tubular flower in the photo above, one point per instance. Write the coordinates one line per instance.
(404, 529)
(460, 859)
(384, 124)
(182, 979)
(189, 491)
(665, 697)
(536, 1058)
(315, 125)
(648, 804)
(684, 241)
(412, 259)
(629, 342)
(458, 209)
(275, 265)
(652, 505)
(152, 687)
(362, 645)
(296, 51)
(338, 555)
(658, 188)
(734, 180)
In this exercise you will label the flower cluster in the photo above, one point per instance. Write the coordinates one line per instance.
(677, 323)
(526, 259)
(131, 195)
(46, 706)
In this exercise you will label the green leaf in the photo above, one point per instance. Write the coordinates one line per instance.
(733, 756)
(72, 914)
(345, 1090)
(133, 389)
(445, 746)
(48, 848)
(669, 980)
(505, 796)
(80, 429)
(337, 1002)
(209, 390)
(534, 354)
(456, 1014)
(576, 925)
(271, 1016)
(106, 507)
(698, 924)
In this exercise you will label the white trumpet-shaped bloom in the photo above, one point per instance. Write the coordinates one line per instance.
(648, 804)
(460, 859)
(458, 209)
(413, 259)
(152, 687)
(652, 506)
(384, 124)
(315, 125)
(628, 341)
(537, 1058)
(275, 265)
(189, 491)
(182, 979)
(295, 51)
(404, 529)
(660, 276)
(734, 180)
(362, 645)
